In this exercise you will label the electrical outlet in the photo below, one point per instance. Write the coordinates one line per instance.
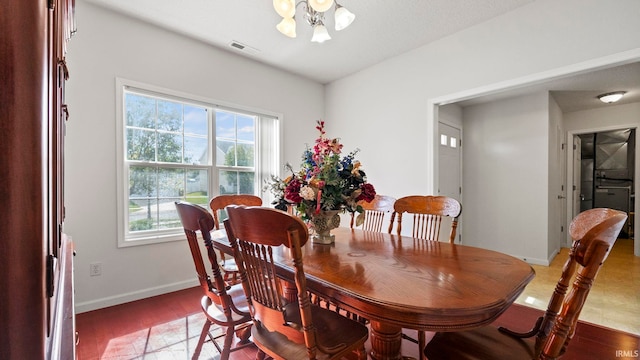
(95, 269)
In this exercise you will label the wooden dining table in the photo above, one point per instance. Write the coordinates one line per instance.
(399, 282)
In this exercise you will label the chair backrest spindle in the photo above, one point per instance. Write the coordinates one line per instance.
(428, 213)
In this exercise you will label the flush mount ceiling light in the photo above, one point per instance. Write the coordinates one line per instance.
(314, 11)
(611, 97)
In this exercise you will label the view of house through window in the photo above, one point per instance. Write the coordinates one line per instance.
(177, 150)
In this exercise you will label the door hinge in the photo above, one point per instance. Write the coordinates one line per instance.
(574, 188)
(575, 147)
(460, 190)
(561, 228)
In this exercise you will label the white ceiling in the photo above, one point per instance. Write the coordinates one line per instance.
(382, 29)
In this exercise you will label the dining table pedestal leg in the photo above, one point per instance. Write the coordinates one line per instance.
(386, 341)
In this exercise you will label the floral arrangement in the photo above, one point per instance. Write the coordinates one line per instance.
(326, 181)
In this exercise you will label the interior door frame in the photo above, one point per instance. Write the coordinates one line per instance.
(431, 157)
(636, 175)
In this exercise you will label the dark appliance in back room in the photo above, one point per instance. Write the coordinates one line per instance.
(611, 157)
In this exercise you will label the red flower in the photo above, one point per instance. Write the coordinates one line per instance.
(368, 193)
(292, 191)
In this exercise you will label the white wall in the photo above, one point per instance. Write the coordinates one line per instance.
(602, 119)
(107, 46)
(389, 102)
(557, 168)
(505, 160)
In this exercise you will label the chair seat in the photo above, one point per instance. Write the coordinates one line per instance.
(333, 331)
(485, 343)
(228, 265)
(216, 312)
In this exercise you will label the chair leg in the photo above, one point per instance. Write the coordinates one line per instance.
(260, 355)
(228, 339)
(422, 343)
(203, 336)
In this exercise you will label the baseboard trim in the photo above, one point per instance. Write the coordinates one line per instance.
(132, 296)
(535, 261)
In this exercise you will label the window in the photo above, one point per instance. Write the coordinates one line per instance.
(174, 147)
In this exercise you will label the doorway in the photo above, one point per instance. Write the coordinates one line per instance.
(606, 176)
(450, 169)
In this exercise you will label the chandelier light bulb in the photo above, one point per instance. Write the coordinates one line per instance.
(287, 27)
(343, 17)
(320, 34)
(320, 5)
(611, 97)
(285, 8)
(314, 14)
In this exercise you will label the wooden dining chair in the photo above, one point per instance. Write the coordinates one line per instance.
(282, 329)
(374, 212)
(428, 212)
(223, 305)
(217, 206)
(594, 233)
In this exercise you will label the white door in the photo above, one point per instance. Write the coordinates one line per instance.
(449, 168)
(577, 180)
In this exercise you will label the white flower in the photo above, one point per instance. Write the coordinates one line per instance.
(307, 193)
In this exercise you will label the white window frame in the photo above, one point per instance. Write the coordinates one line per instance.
(268, 155)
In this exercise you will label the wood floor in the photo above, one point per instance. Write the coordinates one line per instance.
(614, 299)
(167, 327)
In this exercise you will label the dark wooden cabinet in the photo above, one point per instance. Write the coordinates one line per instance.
(36, 268)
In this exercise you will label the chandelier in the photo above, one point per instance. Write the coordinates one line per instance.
(314, 11)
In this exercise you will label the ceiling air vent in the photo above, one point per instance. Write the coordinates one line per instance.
(238, 46)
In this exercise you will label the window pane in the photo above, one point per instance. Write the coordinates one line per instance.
(225, 153)
(198, 187)
(140, 111)
(454, 142)
(143, 215)
(195, 120)
(196, 150)
(142, 182)
(246, 128)
(141, 145)
(171, 183)
(245, 155)
(443, 139)
(246, 180)
(169, 116)
(228, 181)
(236, 182)
(225, 125)
(169, 147)
(168, 215)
